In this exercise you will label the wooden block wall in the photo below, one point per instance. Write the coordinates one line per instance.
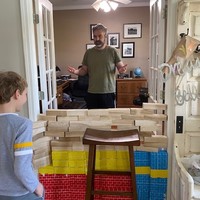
(61, 129)
(41, 145)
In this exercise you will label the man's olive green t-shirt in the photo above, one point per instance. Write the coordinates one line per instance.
(101, 66)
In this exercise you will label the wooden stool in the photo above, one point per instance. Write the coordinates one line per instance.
(94, 137)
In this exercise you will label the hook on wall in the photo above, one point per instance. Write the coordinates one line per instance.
(197, 49)
(184, 34)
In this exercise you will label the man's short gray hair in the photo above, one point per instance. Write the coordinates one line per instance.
(100, 26)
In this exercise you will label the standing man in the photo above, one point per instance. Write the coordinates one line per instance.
(100, 63)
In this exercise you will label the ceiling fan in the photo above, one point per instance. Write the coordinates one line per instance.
(107, 5)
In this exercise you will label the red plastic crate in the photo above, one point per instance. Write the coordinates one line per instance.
(73, 187)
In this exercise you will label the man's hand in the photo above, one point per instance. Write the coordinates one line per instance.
(73, 70)
(122, 69)
(80, 72)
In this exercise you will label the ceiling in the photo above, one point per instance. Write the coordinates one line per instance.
(86, 4)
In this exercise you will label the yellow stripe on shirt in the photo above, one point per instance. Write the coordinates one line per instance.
(23, 145)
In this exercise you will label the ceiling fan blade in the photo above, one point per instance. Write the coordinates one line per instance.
(123, 1)
(96, 5)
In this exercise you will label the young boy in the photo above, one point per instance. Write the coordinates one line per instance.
(17, 178)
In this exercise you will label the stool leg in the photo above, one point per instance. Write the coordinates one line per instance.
(133, 176)
(90, 173)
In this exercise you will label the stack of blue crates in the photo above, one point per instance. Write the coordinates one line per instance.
(158, 186)
(150, 188)
(143, 180)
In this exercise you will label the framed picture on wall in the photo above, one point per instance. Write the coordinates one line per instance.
(113, 39)
(91, 32)
(128, 49)
(89, 46)
(132, 30)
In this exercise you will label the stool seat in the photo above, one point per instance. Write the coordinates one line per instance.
(121, 138)
(93, 137)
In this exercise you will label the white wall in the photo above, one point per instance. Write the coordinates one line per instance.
(11, 46)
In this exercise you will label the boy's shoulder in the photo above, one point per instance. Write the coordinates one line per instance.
(15, 118)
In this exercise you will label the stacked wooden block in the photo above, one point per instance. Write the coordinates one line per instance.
(61, 130)
(71, 124)
(41, 145)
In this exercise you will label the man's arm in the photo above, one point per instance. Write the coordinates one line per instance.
(80, 72)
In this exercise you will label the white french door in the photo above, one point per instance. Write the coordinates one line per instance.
(39, 56)
(188, 84)
(46, 55)
(157, 48)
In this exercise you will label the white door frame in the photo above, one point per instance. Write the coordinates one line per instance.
(171, 43)
(28, 34)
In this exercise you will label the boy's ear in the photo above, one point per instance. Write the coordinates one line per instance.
(16, 94)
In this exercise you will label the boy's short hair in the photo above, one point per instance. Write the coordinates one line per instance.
(99, 26)
(10, 82)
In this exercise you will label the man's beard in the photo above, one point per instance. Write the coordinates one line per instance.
(99, 44)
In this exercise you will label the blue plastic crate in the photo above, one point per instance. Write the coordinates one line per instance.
(143, 183)
(158, 181)
(142, 192)
(142, 179)
(141, 158)
(159, 160)
(158, 188)
(156, 195)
